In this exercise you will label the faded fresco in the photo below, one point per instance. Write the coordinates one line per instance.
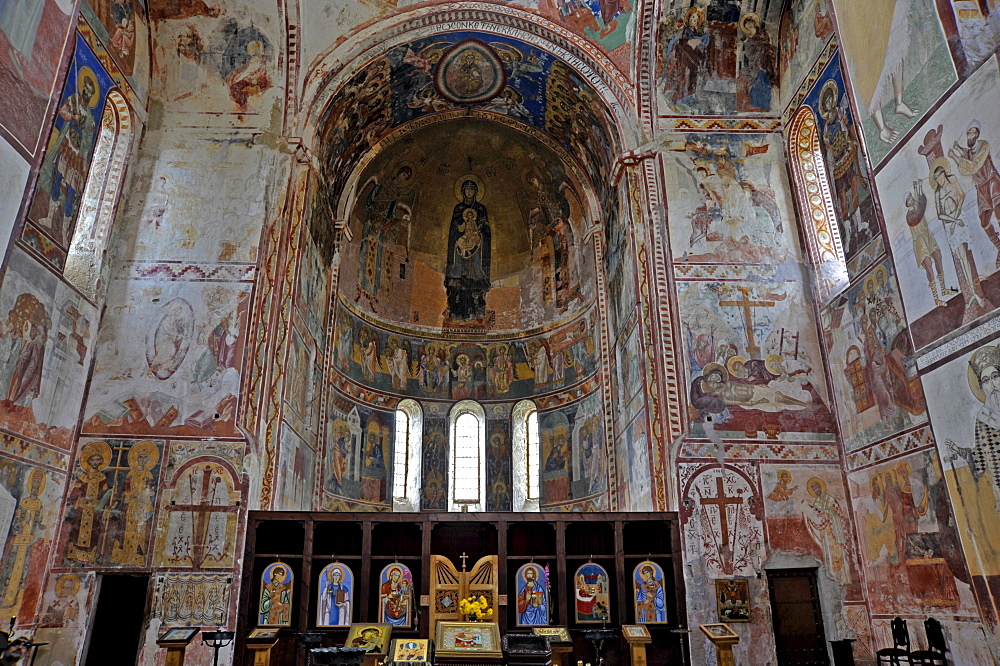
(806, 27)
(899, 62)
(940, 197)
(728, 199)
(846, 170)
(227, 64)
(451, 234)
(63, 620)
(977, 26)
(46, 338)
(33, 37)
(108, 521)
(717, 59)
(29, 504)
(122, 31)
(871, 360)
(753, 360)
(13, 178)
(460, 370)
(808, 513)
(296, 472)
(172, 367)
(359, 450)
(63, 175)
(434, 459)
(499, 458)
(909, 542)
(198, 513)
(573, 460)
(193, 599)
(964, 400)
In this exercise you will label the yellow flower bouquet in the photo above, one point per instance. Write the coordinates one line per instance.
(475, 609)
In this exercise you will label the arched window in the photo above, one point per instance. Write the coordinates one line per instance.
(101, 196)
(527, 453)
(406, 457)
(809, 178)
(468, 460)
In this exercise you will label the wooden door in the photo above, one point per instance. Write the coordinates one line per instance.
(797, 617)
(449, 585)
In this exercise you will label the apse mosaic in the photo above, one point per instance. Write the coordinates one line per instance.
(429, 76)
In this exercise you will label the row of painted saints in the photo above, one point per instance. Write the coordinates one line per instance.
(335, 601)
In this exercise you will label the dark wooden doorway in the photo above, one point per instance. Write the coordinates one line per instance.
(797, 617)
(117, 629)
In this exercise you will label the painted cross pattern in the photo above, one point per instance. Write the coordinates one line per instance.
(746, 304)
(721, 502)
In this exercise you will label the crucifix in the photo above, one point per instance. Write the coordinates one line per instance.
(463, 557)
(722, 502)
(746, 304)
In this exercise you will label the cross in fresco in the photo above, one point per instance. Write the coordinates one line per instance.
(746, 304)
(722, 502)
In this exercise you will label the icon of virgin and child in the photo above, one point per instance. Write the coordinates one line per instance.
(467, 276)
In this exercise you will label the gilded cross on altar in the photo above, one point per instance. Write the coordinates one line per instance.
(464, 557)
(722, 502)
(746, 304)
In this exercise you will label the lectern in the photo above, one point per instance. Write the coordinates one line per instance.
(176, 640)
(724, 638)
(637, 637)
(259, 644)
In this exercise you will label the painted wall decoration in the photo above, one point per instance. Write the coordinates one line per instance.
(499, 454)
(899, 62)
(13, 178)
(733, 599)
(977, 26)
(33, 37)
(448, 232)
(434, 459)
(336, 596)
(964, 398)
(224, 65)
(753, 358)
(297, 464)
(198, 513)
(63, 175)
(359, 447)
(396, 595)
(650, 597)
(729, 200)
(716, 59)
(541, 91)
(122, 41)
(456, 369)
(909, 537)
(62, 623)
(532, 585)
(808, 514)
(847, 173)
(871, 358)
(62, 602)
(45, 348)
(941, 218)
(591, 594)
(567, 436)
(172, 366)
(30, 501)
(722, 517)
(193, 599)
(635, 476)
(806, 27)
(276, 590)
(115, 478)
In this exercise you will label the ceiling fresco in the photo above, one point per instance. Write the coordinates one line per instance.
(493, 74)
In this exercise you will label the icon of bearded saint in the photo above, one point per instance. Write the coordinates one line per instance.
(984, 457)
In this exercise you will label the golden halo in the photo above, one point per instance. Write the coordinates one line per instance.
(405, 164)
(884, 272)
(711, 367)
(525, 176)
(39, 474)
(940, 163)
(538, 570)
(829, 88)
(822, 486)
(784, 475)
(70, 577)
(100, 448)
(480, 195)
(146, 447)
(695, 10)
(870, 284)
(394, 567)
(278, 565)
(749, 17)
(87, 74)
(775, 365)
(731, 364)
(977, 390)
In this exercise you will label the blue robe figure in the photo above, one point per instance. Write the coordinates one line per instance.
(532, 608)
(649, 598)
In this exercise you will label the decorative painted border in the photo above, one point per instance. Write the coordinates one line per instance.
(21, 449)
(820, 452)
(807, 84)
(699, 272)
(717, 124)
(180, 271)
(934, 354)
(915, 440)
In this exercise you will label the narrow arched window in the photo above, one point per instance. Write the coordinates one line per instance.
(468, 441)
(101, 196)
(527, 456)
(406, 456)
